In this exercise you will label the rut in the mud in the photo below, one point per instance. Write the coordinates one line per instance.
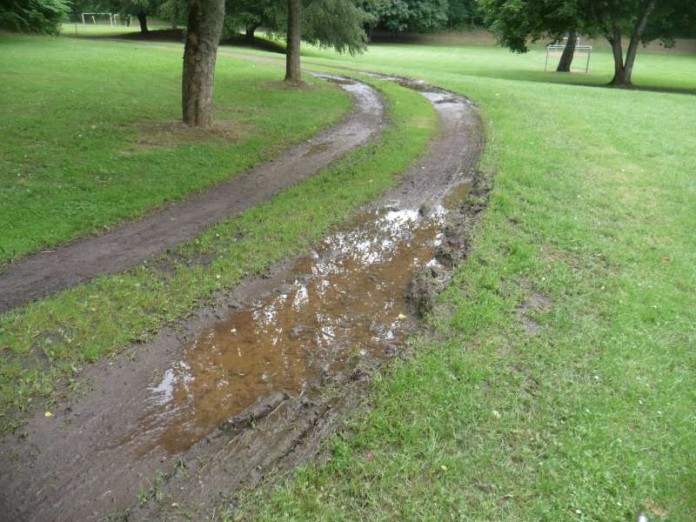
(345, 303)
(256, 382)
(45, 273)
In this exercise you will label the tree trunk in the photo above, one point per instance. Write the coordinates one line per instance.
(620, 79)
(203, 32)
(293, 72)
(249, 33)
(568, 53)
(623, 70)
(142, 18)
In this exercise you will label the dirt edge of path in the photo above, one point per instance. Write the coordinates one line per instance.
(280, 432)
(42, 274)
(64, 469)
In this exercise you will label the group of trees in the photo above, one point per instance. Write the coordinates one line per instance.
(343, 25)
(33, 16)
(516, 22)
(418, 16)
(336, 23)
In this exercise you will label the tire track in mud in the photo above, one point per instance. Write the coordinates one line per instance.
(42, 274)
(95, 458)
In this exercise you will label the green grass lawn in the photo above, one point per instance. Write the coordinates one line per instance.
(589, 234)
(103, 29)
(85, 122)
(587, 413)
(652, 70)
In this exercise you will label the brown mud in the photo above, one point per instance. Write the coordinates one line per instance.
(42, 274)
(254, 383)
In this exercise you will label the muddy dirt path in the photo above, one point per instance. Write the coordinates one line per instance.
(44, 273)
(254, 383)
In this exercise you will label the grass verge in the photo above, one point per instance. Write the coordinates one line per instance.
(562, 381)
(45, 344)
(86, 122)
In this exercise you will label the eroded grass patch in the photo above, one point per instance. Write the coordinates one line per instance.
(45, 344)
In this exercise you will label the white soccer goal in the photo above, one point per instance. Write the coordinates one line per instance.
(556, 50)
(99, 18)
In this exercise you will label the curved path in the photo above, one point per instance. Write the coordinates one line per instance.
(83, 464)
(42, 274)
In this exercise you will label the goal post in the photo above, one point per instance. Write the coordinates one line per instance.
(98, 18)
(556, 50)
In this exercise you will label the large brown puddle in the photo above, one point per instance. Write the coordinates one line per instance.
(345, 304)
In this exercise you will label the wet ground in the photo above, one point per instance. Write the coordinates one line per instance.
(346, 301)
(255, 383)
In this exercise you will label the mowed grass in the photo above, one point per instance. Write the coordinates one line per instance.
(561, 383)
(91, 134)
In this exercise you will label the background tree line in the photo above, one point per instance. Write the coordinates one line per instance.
(344, 25)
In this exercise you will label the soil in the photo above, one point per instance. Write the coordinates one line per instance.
(42, 274)
(252, 384)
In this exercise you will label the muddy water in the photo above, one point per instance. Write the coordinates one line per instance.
(345, 303)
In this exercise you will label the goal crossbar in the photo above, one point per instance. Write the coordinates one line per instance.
(86, 16)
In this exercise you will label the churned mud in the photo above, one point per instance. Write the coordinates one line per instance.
(44, 273)
(255, 383)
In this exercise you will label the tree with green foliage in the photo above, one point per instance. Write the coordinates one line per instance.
(516, 22)
(643, 21)
(33, 16)
(175, 11)
(339, 24)
(328, 23)
(414, 16)
(462, 13)
(421, 16)
(249, 15)
(140, 8)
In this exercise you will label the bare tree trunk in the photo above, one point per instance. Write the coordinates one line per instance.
(293, 73)
(142, 18)
(568, 53)
(203, 31)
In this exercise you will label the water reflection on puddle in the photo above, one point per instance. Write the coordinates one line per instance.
(345, 301)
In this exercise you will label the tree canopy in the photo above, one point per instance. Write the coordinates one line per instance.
(336, 23)
(419, 16)
(33, 16)
(329, 23)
